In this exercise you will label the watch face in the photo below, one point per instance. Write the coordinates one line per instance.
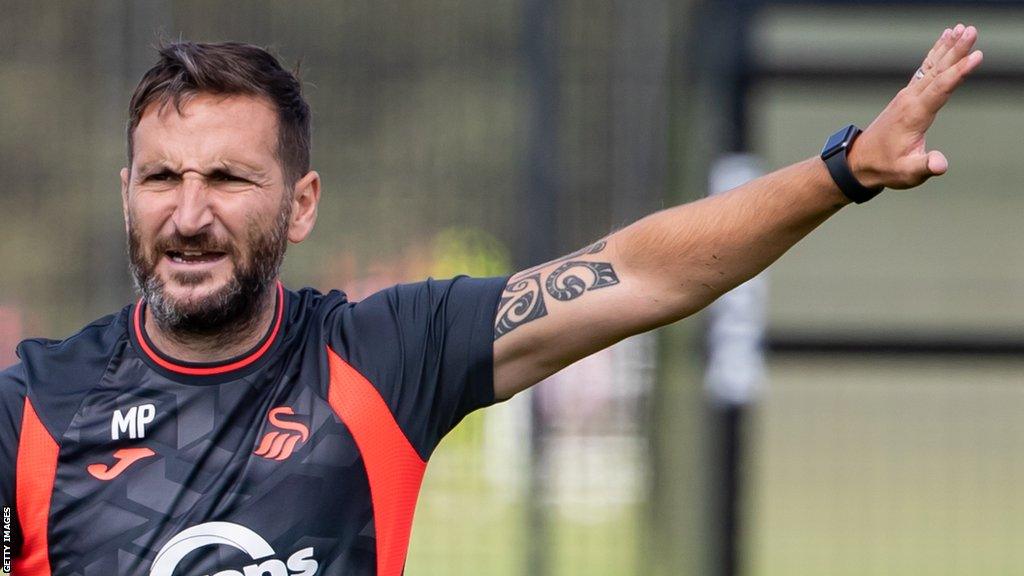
(838, 141)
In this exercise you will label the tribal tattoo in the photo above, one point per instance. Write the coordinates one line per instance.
(564, 284)
(521, 302)
(585, 251)
(523, 299)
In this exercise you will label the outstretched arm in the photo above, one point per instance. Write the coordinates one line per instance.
(672, 263)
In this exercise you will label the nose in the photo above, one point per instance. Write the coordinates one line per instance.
(193, 212)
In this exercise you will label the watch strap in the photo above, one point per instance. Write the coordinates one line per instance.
(839, 168)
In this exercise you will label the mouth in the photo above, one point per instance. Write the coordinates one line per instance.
(194, 257)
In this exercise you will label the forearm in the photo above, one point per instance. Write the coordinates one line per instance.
(689, 255)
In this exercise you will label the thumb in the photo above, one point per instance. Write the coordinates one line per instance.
(937, 163)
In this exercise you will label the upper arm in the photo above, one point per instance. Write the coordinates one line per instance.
(427, 348)
(554, 314)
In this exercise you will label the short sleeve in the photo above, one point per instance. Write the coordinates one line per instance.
(428, 348)
(12, 404)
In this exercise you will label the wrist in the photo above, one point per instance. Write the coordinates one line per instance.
(833, 196)
(861, 167)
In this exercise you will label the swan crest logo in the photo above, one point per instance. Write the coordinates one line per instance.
(300, 563)
(278, 445)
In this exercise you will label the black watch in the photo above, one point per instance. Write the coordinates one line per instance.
(834, 155)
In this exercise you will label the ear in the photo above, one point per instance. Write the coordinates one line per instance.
(305, 199)
(125, 174)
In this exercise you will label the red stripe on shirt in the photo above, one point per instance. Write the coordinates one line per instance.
(35, 473)
(394, 468)
(194, 371)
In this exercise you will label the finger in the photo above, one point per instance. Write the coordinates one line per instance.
(946, 41)
(960, 47)
(954, 34)
(938, 49)
(919, 167)
(936, 163)
(938, 91)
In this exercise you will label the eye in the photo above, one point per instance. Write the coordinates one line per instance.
(221, 176)
(163, 176)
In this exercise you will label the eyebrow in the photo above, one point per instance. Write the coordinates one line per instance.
(223, 167)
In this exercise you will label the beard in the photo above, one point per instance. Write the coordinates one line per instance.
(232, 307)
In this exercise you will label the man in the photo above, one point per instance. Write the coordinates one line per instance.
(225, 425)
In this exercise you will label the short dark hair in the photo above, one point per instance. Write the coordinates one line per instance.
(189, 68)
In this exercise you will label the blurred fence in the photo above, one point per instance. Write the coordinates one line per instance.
(886, 441)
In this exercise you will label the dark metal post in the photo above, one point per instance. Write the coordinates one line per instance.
(538, 225)
(726, 67)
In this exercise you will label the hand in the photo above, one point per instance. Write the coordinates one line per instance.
(891, 151)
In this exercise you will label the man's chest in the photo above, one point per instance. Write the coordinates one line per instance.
(251, 476)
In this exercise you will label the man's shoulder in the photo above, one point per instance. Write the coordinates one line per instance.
(96, 340)
(413, 310)
(308, 298)
(53, 374)
(309, 309)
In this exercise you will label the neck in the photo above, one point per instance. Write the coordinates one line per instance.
(228, 341)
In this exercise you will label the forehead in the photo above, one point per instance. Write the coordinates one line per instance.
(208, 128)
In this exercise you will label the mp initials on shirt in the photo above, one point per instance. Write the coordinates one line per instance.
(132, 422)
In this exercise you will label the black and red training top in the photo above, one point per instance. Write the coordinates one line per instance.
(302, 457)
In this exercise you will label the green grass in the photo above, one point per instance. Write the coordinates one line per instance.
(470, 523)
(885, 466)
(857, 467)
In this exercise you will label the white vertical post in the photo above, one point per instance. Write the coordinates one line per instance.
(735, 371)
(733, 379)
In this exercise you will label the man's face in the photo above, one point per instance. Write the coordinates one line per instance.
(207, 209)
